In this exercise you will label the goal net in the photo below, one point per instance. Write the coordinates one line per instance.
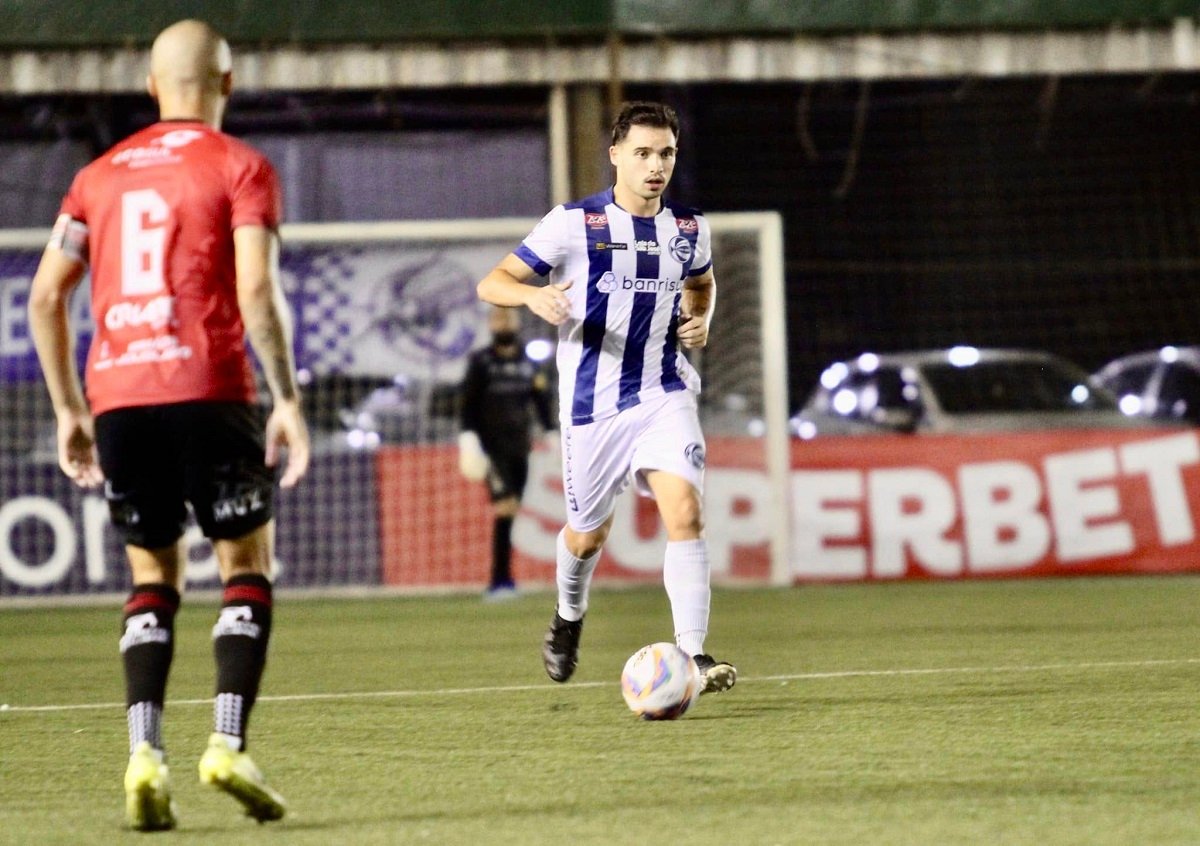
(386, 317)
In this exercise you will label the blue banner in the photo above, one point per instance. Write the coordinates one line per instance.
(18, 360)
(377, 310)
(56, 539)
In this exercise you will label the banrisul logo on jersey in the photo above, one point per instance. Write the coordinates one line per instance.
(609, 283)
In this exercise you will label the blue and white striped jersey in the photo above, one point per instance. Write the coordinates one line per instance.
(618, 347)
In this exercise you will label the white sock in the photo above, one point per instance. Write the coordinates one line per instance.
(145, 723)
(574, 578)
(686, 578)
(227, 718)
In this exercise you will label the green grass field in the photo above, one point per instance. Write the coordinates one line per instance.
(1041, 712)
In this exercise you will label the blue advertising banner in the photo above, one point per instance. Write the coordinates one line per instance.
(388, 310)
(56, 539)
(18, 360)
(383, 331)
(380, 310)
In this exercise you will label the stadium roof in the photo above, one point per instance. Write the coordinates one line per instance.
(308, 44)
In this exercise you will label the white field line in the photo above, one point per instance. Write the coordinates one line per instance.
(547, 687)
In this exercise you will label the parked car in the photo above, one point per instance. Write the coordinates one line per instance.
(403, 411)
(963, 389)
(1163, 384)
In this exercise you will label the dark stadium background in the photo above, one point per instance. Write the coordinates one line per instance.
(1053, 213)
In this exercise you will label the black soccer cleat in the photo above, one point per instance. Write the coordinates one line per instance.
(560, 651)
(718, 675)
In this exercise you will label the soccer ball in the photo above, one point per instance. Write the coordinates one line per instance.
(660, 682)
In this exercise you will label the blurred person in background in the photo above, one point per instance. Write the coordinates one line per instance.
(630, 282)
(502, 392)
(178, 225)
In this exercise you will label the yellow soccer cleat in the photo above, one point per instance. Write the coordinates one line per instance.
(236, 773)
(148, 805)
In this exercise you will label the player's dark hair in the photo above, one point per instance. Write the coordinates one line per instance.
(643, 113)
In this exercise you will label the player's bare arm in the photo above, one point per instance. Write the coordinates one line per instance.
(508, 285)
(57, 276)
(265, 314)
(696, 309)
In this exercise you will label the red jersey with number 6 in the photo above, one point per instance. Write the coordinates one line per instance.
(154, 217)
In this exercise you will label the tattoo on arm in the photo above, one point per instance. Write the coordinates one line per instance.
(264, 310)
(270, 338)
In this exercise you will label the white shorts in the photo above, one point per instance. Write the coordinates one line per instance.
(600, 458)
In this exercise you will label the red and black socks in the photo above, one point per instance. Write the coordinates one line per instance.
(240, 640)
(147, 647)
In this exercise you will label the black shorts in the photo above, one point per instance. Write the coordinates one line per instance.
(507, 474)
(157, 459)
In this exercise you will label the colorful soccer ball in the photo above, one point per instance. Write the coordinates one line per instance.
(660, 682)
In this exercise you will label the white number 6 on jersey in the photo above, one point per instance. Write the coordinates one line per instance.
(143, 239)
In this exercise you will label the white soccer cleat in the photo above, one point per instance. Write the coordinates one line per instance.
(718, 675)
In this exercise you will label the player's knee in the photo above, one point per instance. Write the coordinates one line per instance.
(586, 544)
(585, 547)
(684, 519)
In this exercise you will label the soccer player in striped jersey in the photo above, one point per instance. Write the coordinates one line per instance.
(630, 282)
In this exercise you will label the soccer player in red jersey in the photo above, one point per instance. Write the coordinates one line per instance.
(178, 225)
